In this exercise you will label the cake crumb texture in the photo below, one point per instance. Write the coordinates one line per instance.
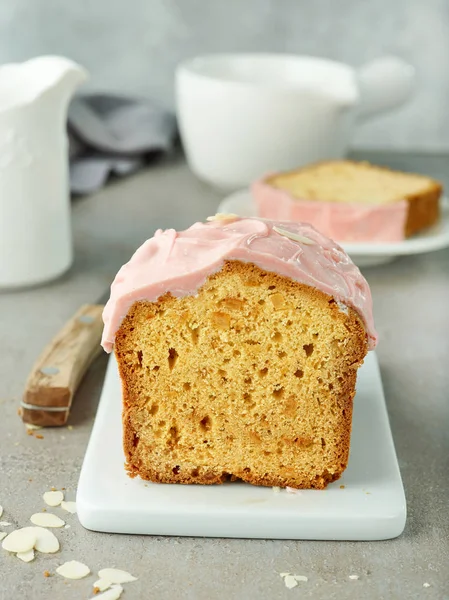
(253, 378)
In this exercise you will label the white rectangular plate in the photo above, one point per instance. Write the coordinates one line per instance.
(371, 506)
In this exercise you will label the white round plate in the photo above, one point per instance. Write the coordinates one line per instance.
(364, 254)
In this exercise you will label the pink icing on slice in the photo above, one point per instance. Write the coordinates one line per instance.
(339, 221)
(180, 262)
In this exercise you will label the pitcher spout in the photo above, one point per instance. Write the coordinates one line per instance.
(63, 71)
(23, 84)
(56, 72)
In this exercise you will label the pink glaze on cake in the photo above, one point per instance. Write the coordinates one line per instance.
(339, 221)
(180, 262)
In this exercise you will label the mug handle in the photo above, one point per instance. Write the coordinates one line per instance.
(384, 84)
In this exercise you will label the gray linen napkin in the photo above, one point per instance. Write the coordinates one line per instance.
(112, 134)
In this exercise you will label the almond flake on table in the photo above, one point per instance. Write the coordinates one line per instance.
(53, 498)
(20, 540)
(353, 577)
(4, 524)
(113, 594)
(73, 569)
(102, 584)
(69, 506)
(27, 556)
(116, 575)
(426, 585)
(46, 520)
(292, 581)
(46, 541)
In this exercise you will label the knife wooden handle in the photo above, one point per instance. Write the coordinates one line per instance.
(55, 376)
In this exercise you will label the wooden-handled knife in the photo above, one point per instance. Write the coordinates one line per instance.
(61, 366)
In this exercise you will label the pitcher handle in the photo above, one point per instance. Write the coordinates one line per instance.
(384, 84)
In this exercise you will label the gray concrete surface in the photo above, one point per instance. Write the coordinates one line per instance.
(411, 299)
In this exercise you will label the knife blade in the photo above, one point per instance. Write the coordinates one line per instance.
(55, 376)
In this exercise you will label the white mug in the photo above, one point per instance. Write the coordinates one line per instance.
(242, 116)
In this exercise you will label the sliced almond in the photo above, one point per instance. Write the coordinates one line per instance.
(102, 584)
(113, 594)
(4, 524)
(73, 569)
(116, 575)
(20, 540)
(296, 237)
(27, 556)
(69, 506)
(53, 498)
(46, 520)
(223, 217)
(290, 581)
(46, 542)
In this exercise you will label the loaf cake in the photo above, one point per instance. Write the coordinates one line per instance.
(351, 201)
(238, 343)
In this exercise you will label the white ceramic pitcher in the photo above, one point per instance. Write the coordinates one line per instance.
(242, 116)
(35, 229)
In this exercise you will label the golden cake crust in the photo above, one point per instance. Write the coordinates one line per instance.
(253, 379)
(423, 209)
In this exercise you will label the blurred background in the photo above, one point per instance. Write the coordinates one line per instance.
(133, 47)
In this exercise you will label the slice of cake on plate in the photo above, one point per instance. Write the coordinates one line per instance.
(350, 201)
(238, 343)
